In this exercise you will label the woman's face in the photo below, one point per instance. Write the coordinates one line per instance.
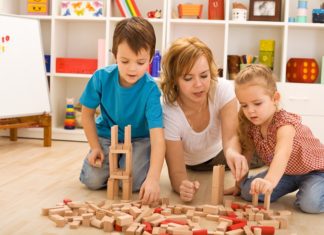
(194, 86)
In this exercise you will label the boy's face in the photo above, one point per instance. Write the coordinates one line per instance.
(131, 66)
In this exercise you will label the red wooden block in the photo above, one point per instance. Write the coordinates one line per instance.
(66, 200)
(200, 232)
(266, 230)
(236, 226)
(158, 210)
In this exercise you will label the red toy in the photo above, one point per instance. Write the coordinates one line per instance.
(303, 70)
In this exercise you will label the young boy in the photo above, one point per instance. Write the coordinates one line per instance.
(126, 95)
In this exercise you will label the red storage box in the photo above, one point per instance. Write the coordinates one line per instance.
(76, 65)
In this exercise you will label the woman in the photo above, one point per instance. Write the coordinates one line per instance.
(200, 115)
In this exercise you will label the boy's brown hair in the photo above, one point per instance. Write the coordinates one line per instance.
(137, 32)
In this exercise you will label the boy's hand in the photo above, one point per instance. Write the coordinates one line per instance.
(96, 158)
(188, 190)
(261, 186)
(238, 165)
(150, 191)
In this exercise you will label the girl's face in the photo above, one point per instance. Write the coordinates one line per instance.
(257, 105)
(131, 66)
(194, 86)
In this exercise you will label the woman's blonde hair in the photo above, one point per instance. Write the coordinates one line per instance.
(254, 74)
(179, 60)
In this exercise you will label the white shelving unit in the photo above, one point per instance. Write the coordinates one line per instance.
(78, 37)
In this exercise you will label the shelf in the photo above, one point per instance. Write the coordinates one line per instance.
(76, 18)
(72, 75)
(77, 37)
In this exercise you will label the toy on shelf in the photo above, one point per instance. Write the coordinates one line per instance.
(37, 7)
(128, 8)
(239, 12)
(69, 122)
(318, 16)
(303, 70)
(301, 12)
(116, 173)
(266, 52)
(155, 14)
(82, 8)
(190, 10)
(216, 9)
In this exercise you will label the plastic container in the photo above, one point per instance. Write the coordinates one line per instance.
(156, 63)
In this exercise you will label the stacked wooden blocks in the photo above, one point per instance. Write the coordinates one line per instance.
(116, 173)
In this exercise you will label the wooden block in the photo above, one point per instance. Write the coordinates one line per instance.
(218, 185)
(255, 199)
(75, 224)
(127, 136)
(210, 209)
(212, 217)
(114, 136)
(257, 231)
(112, 188)
(96, 223)
(247, 230)
(127, 188)
(108, 223)
(113, 162)
(124, 220)
(267, 198)
(235, 232)
(222, 226)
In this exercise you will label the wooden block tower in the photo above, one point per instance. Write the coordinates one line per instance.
(116, 173)
(218, 185)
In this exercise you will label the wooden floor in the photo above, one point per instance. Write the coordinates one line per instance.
(33, 176)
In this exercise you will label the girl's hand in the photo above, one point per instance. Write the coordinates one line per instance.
(96, 158)
(238, 165)
(150, 191)
(261, 186)
(188, 190)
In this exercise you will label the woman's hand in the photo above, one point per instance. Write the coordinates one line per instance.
(234, 191)
(150, 191)
(238, 164)
(261, 186)
(188, 189)
(96, 157)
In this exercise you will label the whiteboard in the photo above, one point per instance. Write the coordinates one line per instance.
(23, 82)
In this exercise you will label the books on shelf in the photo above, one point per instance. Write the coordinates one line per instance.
(128, 8)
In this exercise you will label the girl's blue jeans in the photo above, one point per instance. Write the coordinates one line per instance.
(96, 178)
(310, 196)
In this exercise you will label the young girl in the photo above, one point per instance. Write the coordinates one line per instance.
(294, 156)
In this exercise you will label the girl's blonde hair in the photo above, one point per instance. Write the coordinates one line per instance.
(179, 60)
(254, 74)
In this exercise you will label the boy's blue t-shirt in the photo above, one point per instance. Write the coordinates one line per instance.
(138, 105)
